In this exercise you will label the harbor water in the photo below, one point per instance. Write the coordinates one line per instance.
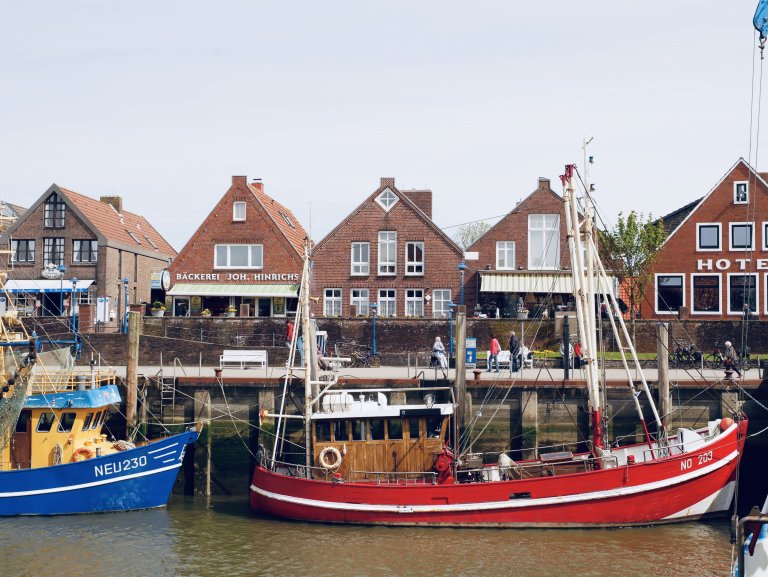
(221, 537)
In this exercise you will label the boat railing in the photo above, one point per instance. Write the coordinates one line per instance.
(540, 468)
(394, 478)
(54, 381)
(341, 399)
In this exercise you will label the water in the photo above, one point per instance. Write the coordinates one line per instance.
(192, 538)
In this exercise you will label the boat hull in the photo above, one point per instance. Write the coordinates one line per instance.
(139, 478)
(684, 487)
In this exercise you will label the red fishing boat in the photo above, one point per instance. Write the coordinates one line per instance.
(391, 456)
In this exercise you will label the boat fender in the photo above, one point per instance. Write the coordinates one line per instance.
(332, 465)
(506, 465)
(725, 423)
(82, 454)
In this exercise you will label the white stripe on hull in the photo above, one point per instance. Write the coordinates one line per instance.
(720, 500)
(509, 504)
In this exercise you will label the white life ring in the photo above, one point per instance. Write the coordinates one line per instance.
(336, 458)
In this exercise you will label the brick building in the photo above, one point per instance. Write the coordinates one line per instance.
(246, 256)
(390, 253)
(522, 259)
(716, 261)
(66, 236)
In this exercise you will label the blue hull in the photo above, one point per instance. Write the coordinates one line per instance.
(139, 478)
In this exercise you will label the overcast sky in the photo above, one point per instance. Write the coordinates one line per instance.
(162, 102)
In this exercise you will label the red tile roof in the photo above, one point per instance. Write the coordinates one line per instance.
(283, 218)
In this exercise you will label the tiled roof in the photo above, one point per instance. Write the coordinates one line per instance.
(117, 227)
(283, 218)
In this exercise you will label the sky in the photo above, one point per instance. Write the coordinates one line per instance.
(163, 102)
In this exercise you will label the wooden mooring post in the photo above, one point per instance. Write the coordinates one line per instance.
(131, 371)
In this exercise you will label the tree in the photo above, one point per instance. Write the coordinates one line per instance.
(468, 233)
(631, 248)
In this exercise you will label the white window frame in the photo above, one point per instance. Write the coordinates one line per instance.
(551, 241)
(387, 303)
(332, 297)
(77, 250)
(505, 247)
(719, 291)
(701, 225)
(440, 306)
(387, 199)
(235, 206)
(414, 267)
(656, 292)
(387, 247)
(730, 236)
(413, 302)
(362, 299)
(728, 289)
(250, 265)
(736, 185)
(360, 266)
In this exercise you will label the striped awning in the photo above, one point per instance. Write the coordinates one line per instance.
(234, 290)
(46, 286)
(525, 282)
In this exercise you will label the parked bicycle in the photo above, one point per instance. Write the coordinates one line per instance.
(716, 360)
(366, 358)
(685, 356)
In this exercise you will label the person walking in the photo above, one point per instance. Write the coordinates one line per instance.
(514, 352)
(493, 357)
(731, 359)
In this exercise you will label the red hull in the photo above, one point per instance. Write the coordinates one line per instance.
(683, 487)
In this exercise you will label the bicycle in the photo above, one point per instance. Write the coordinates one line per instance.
(365, 358)
(685, 356)
(716, 360)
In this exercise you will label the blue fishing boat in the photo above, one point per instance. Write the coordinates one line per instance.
(54, 457)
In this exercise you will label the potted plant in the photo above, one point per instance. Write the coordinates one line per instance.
(231, 311)
(206, 313)
(522, 312)
(158, 309)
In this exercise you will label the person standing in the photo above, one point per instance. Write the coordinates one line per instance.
(731, 359)
(493, 356)
(289, 334)
(514, 352)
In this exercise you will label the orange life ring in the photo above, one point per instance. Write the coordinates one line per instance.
(82, 454)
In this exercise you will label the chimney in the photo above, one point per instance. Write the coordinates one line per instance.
(257, 185)
(387, 182)
(115, 202)
(422, 199)
(544, 183)
(239, 180)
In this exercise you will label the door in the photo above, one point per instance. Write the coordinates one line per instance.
(21, 442)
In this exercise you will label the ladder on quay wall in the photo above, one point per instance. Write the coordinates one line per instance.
(168, 389)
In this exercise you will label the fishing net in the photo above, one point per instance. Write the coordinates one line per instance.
(11, 401)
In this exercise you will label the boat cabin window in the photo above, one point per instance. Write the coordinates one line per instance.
(394, 429)
(339, 430)
(323, 431)
(45, 423)
(22, 424)
(96, 420)
(413, 428)
(358, 430)
(434, 426)
(87, 422)
(377, 429)
(66, 422)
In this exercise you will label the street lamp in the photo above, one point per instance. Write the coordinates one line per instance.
(373, 306)
(62, 269)
(462, 267)
(125, 306)
(450, 306)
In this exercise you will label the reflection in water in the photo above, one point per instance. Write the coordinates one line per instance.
(224, 539)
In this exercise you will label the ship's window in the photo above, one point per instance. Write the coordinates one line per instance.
(45, 423)
(339, 430)
(66, 422)
(105, 415)
(87, 422)
(413, 428)
(323, 431)
(433, 427)
(394, 429)
(22, 423)
(358, 430)
(377, 429)
(96, 420)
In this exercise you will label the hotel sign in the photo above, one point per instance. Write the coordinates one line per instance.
(712, 264)
(237, 276)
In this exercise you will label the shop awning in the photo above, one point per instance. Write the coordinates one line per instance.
(46, 286)
(234, 290)
(525, 282)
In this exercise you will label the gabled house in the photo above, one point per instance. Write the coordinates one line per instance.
(387, 252)
(244, 259)
(70, 243)
(523, 259)
(714, 265)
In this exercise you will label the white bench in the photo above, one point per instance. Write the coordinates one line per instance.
(243, 359)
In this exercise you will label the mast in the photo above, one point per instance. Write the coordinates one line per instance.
(308, 372)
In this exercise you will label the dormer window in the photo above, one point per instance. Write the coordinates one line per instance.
(238, 211)
(387, 199)
(54, 212)
(135, 238)
(741, 192)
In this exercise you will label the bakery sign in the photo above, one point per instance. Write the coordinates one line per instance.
(237, 276)
(713, 264)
